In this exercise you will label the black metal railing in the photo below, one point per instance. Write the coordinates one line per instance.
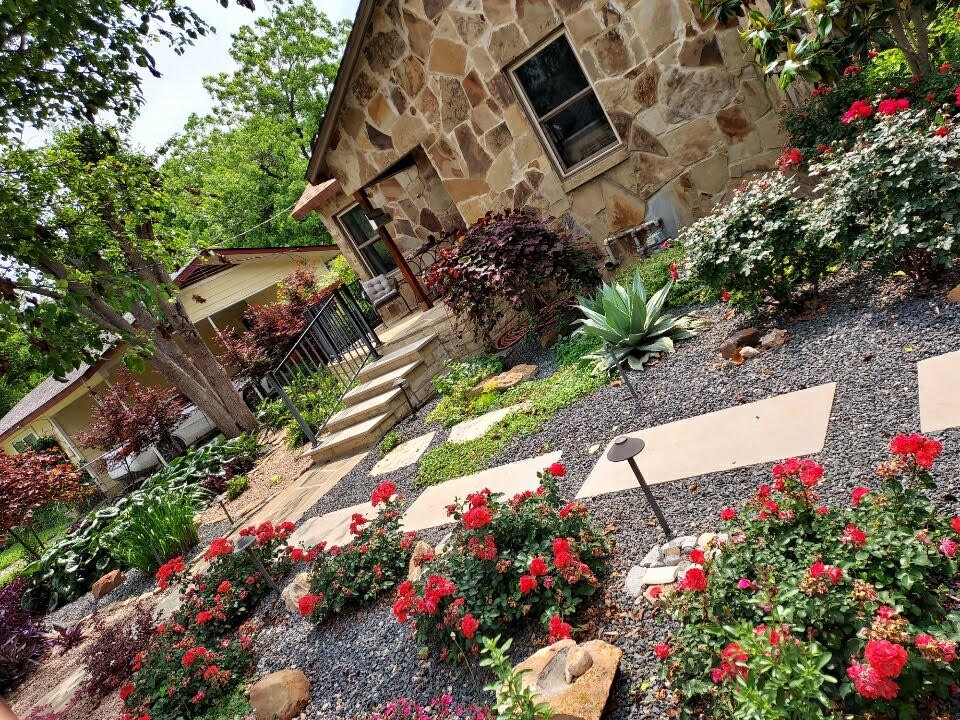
(324, 362)
(367, 309)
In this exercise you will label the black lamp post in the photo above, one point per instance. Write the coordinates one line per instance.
(245, 544)
(627, 448)
(221, 500)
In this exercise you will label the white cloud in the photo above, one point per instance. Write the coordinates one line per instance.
(171, 99)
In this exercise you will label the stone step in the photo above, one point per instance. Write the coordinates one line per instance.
(382, 383)
(422, 349)
(353, 438)
(392, 401)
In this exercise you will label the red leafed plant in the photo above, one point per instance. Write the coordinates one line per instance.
(130, 417)
(32, 480)
(511, 258)
(272, 329)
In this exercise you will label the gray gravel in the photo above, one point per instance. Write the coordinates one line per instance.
(868, 341)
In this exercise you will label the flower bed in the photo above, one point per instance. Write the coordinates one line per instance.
(810, 610)
(529, 557)
(358, 573)
(193, 662)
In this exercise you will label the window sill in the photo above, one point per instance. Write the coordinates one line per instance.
(596, 167)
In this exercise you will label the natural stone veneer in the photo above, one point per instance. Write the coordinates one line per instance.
(691, 111)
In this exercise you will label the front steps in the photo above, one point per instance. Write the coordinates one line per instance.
(379, 402)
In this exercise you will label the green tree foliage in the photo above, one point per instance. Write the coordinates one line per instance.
(63, 59)
(19, 369)
(85, 265)
(239, 168)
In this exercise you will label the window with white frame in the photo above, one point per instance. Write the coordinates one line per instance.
(363, 233)
(559, 97)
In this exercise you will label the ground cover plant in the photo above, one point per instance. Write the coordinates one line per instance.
(389, 441)
(544, 398)
(454, 385)
(514, 258)
(530, 558)
(631, 326)
(355, 575)
(812, 611)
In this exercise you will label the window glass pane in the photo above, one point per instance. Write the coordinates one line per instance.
(358, 225)
(580, 130)
(551, 76)
(379, 258)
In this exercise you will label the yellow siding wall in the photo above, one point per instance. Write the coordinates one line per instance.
(248, 278)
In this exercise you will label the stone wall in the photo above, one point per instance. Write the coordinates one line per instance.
(691, 111)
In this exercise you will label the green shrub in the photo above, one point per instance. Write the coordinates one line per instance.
(237, 486)
(631, 326)
(461, 376)
(389, 442)
(316, 397)
(810, 611)
(892, 200)
(758, 246)
(655, 272)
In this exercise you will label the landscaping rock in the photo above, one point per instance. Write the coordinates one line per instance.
(514, 376)
(774, 339)
(415, 569)
(954, 295)
(672, 555)
(578, 662)
(298, 587)
(584, 696)
(730, 346)
(660, 575)
(109, 582)
(652, 558)
(633, 585)
(748, 352)
(280, 696)
(686, 542)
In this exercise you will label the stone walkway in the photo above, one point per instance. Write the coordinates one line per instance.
(938, 379)
(789, 425)
(477, 427)
(403, 455)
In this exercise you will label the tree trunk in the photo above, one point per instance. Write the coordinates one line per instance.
(33, 553)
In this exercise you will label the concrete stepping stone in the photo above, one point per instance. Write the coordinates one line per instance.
(477, 427)
(429, 510)
(334, 527)
(789, 425)
(403, 455)
(60, 697)
(938, 380)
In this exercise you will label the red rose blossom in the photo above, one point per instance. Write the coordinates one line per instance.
(885, 657)
(126, 691)
(559, 630)
(694, 580)
(661, 650)
(856, 497)
(307, 603)
(476, 518)
(870, 684)
(557, 470)
(858, 109)
(697, 556)
(538, 566)
(528, 583)
(728, 514)
(469, 626)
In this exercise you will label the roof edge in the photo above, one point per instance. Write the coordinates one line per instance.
(351, 54)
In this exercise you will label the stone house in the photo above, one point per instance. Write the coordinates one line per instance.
(608, 114)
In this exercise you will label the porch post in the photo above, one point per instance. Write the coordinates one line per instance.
(425, 304)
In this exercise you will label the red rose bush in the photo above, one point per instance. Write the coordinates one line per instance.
(355, 575)
(812, 611)
(531, 557)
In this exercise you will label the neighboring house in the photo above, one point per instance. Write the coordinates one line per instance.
(605, 114)
(216, 287)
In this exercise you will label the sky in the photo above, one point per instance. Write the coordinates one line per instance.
(171, 99)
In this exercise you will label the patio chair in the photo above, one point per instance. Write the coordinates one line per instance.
(383, 289)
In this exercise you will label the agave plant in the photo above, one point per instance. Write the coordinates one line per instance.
(631, 325)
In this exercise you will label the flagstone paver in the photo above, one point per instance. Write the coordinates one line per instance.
(783, 426)
(60, 697)
(429, 510)
(477, 427)
(332, 528)
(403, 455)
(938, 379)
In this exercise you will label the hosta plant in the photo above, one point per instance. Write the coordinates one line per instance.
(530, 558)
(811, 611)
(632, 326)
(355, 575)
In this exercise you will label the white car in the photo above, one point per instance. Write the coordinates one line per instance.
(193, 427)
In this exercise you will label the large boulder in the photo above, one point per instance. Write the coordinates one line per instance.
(107, 584)
(280, 696)
(574, 680)
(298, 587)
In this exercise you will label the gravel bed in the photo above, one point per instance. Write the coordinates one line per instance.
(868, 341)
